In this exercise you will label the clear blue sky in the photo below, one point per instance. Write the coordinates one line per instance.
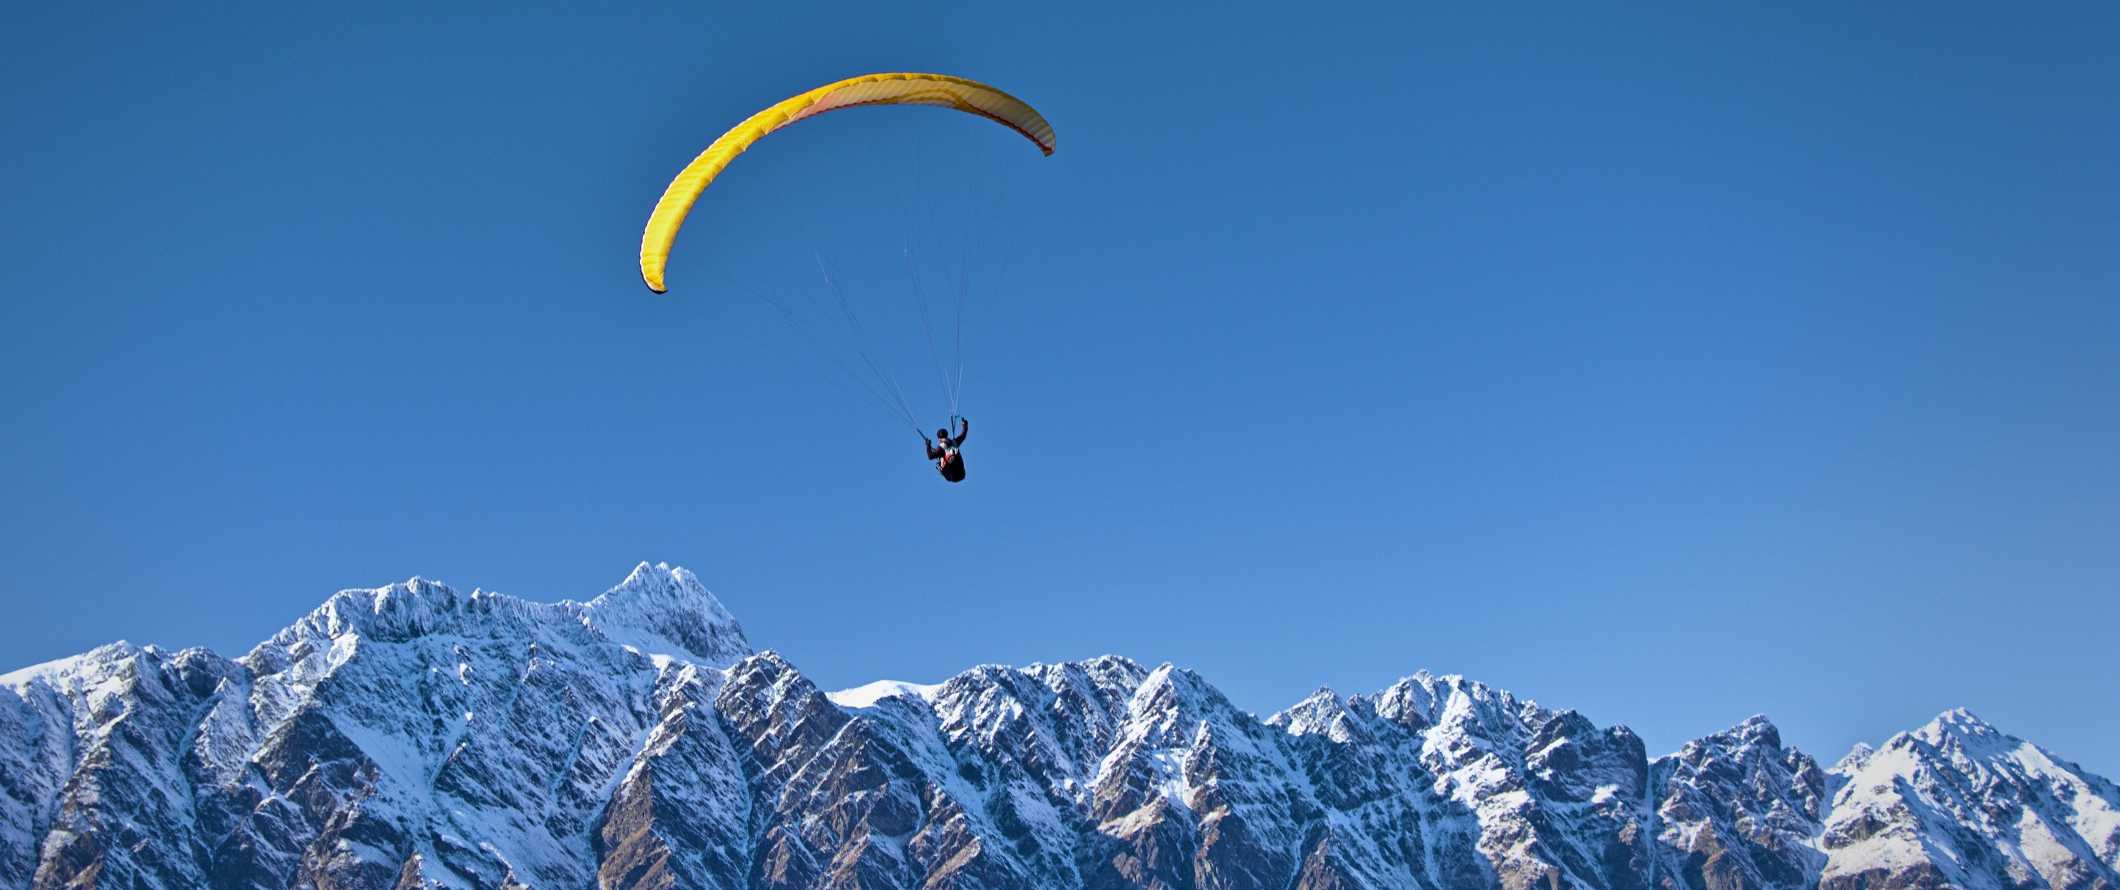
(1672, 365)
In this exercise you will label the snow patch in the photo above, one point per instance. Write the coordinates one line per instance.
(868, 694)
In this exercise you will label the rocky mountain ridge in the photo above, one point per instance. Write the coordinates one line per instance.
(413, 736)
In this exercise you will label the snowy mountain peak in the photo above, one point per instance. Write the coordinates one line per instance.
(1323, 711)
(1176, 691)
(1956, 723)
(1324, 698)
(1101, 665)
(1757, 729)
(1108, 676)
(665, 610)
(1960, 803)
(1855, 758)
(665, 585)
(1459, 706)
(1957, 734)
(75, 668)
(404, 610)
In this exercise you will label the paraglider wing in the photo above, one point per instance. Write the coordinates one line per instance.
(869, 89)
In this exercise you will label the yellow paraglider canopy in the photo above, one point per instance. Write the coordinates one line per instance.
(869, 89)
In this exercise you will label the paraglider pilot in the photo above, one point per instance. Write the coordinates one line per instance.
(943, 450)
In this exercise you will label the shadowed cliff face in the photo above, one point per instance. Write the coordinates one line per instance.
(412, 736)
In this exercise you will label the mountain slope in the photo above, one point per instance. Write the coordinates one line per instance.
(414, 736)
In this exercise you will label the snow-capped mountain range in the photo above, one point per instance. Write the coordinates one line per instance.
(414, 736)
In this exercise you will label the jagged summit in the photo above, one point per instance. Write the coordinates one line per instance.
(665, 610)
(1755, 730)
(657, 610)
(1101, 665)
(413, 736)
(2009, 813)
(1313, 714)
(662, 586)
(1957, 724)
(1855, 758)
(85, 663)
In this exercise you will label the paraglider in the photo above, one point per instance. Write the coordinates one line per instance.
(898, 88)
(946, 450)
